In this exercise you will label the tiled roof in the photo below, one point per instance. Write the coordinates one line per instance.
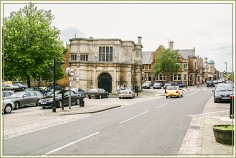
(147, 57)
(186, 52)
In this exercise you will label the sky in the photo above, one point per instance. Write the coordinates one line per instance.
(207, 27)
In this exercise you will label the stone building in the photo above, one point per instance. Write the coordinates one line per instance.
(105, 63)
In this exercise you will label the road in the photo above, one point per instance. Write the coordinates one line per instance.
(154, 127)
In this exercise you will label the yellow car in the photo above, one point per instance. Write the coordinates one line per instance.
(174, 91)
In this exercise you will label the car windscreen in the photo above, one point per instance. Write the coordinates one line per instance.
(223, 88)
(19, 94)
(94, 90)
(171, 88)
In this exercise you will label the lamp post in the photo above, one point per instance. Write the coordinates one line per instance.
(54, 83)
(226, 68)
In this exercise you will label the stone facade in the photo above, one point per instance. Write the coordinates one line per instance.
(105, 63)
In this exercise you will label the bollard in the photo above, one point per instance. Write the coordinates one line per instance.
(81, 102)
(231, 110)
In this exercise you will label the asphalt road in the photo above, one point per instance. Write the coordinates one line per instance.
(155, 127)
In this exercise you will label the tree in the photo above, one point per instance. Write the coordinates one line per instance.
(30, 44)
(165, 62)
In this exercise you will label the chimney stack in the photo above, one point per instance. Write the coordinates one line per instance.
(139, 40)
(171, 45)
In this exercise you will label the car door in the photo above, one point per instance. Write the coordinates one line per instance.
(33, 97)
(26, 99)
(66, 98)
(73, 97)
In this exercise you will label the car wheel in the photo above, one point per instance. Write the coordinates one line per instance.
(215, 101)
(59, 104)
(77, 102)
(119, 97)
(37, 103)
(7, 109)
(166, 96)
(89, 97)
(17, 104)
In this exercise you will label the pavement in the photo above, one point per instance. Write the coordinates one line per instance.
(198, 141)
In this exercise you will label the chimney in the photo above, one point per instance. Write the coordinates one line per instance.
(139, 40)
(171, 45)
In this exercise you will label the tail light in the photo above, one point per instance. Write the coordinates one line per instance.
(97, 93)
(177, 91)
(129, 92)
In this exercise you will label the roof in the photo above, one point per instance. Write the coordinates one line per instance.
(211, 62)
(147, 57)
(186, 52)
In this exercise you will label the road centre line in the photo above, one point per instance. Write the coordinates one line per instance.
(161, 105)
(133, 117)
(72, 143)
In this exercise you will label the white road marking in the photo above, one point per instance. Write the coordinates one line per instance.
(133, 117)
(161, 105)
(71, 143)
(174, 100)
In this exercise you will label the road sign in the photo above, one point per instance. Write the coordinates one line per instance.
(70, 71)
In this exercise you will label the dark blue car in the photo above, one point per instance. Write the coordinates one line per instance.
(180, 84)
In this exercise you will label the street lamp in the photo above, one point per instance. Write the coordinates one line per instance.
(226, 68)
(54, 83)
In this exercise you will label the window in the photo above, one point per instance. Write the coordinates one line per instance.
(161, 77)
(185, 77)
(185, 66)
(105, 53)
(177, 77)
(73, 57)
(143, 67)
(149, 66)
(83, 57)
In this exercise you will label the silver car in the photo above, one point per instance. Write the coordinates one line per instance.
(126, 93)
(24, 98)
(7, 106)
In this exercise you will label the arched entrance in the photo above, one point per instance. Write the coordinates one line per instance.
(105, 82)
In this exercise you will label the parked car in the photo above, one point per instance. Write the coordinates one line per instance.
(180, 84)
(47, 101)
(126, 93)
(21, 86)
(166, 85)
(79, 91)
(157, 86)
(151, 83)
(174, 91)
(98, 93)
(10, 87)
(24, 98)
(172, 83)
(215, 81)
(210, 83)
(6, 94)
(43, 91)
(146, 85)
(222, 92)
(7, 106)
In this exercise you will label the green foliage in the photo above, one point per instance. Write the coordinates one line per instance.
(228, 77)
(30, 44)
(165, 62)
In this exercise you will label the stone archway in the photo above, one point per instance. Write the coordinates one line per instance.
(105, 82)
